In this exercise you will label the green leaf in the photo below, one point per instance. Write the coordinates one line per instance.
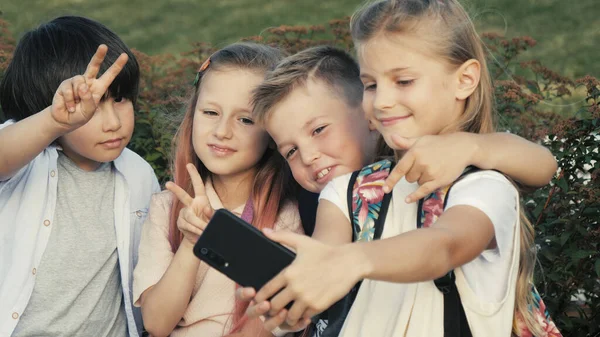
(598, 267)
(564, 238)
(562, 183)
(153, 156)
(581, 254)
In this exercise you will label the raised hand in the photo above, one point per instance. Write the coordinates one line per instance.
(197, 211)
(432, 161)
(77, 98)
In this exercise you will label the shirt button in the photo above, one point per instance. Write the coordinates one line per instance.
(15, 315)
(52, 173)
(34, 271)
(139, 214)
(46, 223)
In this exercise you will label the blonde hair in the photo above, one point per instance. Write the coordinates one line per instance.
(446, 29)
(333, 66)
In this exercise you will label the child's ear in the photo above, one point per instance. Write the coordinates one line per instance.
(468, 76)
(372, 126)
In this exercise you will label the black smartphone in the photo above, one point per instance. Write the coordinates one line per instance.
(240, 251)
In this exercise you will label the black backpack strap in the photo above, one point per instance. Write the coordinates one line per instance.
(349, 196)
(455, 318)
(338, 312)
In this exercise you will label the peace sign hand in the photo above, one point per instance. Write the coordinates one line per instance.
(197, 211)
(77, 98)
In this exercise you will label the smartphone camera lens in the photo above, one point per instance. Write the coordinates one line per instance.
(203, 251)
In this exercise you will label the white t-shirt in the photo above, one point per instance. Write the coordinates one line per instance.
(486, 284)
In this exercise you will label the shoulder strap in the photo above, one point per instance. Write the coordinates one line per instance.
(363, 185)
(455, 319)
(367, 204)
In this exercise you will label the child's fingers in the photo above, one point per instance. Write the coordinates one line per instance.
(185, 226)
(207, 213)
(414, 174)
(423, 191)
(271, 288)
(295, 313)
(275, 321)
(88, 106)
(66, 91)
(285, 296)
(193, 219)
(245, 294)
(197, 182)
(180, 193)
(258, 310)
(309, 314)
(111, 73)
(76, 82)
(302, 324)
(403, 166)
(94, 66)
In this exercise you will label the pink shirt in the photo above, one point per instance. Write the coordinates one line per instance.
(213, 296)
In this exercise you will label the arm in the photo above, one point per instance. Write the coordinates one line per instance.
(526, 162)
(459, 235)
(32, 134)
(331, 226)
(322, 274)
(164, 304)
(479, 208)
(437, 161)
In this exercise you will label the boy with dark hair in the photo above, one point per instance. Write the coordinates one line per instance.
(72, 197)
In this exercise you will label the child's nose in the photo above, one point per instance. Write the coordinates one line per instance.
(309, 157)
(110, 118)
(223, 129)
(384, 99)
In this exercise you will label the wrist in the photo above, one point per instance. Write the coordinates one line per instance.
(479, 153)
(355, 255)
(186, 245)
(54, 128)
(186, 248)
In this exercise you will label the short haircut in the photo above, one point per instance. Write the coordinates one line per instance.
(54, 52)
(333, 66)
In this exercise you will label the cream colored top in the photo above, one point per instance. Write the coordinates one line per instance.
(486, 285)
(213, 296)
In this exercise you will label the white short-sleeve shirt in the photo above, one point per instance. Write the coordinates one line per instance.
(490, 277)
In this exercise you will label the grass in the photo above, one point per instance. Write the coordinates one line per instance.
(567, 33)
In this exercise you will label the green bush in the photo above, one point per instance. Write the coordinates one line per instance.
(561, 113)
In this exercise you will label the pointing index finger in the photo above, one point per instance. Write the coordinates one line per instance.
(180, 193)
(399, 171)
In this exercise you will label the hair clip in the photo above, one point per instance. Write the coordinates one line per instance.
(201, 69)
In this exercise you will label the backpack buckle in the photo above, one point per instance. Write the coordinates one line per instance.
(445, 283)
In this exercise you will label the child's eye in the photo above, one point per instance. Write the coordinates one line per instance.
(319, 130)
(246, 121)
(210, 113)
(290, 153)
(120, 99)
(405, 82)
(370, 87)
